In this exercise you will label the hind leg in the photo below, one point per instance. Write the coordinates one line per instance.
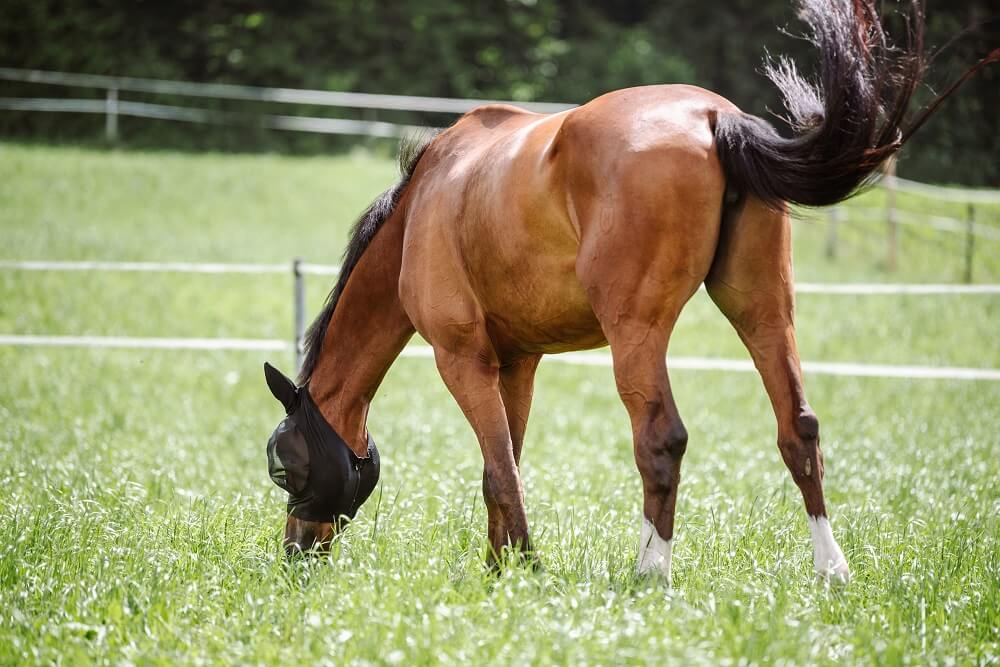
(516, 387)
(752, 284)
(638, 282)
(658, 436)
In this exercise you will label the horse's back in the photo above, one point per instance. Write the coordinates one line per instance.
(649, 118)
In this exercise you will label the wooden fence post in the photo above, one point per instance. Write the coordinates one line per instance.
(834, 216)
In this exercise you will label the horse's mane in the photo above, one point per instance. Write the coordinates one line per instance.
(410, 150)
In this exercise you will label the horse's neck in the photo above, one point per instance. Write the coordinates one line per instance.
(366, 333)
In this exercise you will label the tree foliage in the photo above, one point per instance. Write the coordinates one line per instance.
(554, 50)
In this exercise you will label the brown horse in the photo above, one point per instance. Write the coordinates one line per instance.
(513, 235)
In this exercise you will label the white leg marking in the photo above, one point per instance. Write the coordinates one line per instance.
(827, 556)
(654, 551)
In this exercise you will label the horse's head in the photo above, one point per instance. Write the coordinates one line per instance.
(326, 481)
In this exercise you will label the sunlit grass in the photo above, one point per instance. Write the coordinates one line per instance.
(69, 203)
(138, 525)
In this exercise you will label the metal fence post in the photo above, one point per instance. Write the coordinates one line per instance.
(111, 115)
(835, 214)
(970, 241)
(890, 214)
(299, 299)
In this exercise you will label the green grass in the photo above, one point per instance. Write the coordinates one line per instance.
(138, 525)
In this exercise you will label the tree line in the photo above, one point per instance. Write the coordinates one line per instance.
(548, 50)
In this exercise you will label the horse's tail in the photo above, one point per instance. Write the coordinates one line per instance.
(846, 124)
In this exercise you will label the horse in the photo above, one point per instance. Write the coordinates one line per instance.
(512, 235)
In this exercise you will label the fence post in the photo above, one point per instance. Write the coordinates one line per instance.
(111, 115)
(835, 214)
(299, 300)
(970, 241)
(890, 214)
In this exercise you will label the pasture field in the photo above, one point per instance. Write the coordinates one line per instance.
(138, 525)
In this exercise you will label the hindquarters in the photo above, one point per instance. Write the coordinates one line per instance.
(646, 191)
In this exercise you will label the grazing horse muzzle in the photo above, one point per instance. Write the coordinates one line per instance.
(307, 537)
(326, 481)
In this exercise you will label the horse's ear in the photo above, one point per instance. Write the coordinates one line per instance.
(283, 389)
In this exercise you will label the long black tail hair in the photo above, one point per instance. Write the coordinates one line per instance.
(846, 124)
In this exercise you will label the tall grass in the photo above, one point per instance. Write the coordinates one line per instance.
(138, 525)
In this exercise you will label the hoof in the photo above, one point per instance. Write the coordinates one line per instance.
(655, 577)
(655, 553)
(835, 574)
(828, 557)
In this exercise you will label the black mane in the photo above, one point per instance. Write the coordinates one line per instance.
(364, 230)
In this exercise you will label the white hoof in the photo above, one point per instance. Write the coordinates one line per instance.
(835, 574)
(828, 557)
(654, 552)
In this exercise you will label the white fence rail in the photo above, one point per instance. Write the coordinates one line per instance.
(937, 222)
(329, 98)
(306, 268)
(603, 359)
(112, 107)
(368, 128)
(957, 195)
(168, 267)
(299, 270)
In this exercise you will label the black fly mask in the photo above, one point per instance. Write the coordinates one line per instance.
(324, 479)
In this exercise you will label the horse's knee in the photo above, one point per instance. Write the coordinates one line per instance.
(502, 487)
(492, 486)
(488, 492)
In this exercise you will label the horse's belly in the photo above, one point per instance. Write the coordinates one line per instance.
(532, 299)
(566, 332)
(544, 323)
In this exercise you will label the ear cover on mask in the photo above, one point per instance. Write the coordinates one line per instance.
(324, 478)
(281, 387)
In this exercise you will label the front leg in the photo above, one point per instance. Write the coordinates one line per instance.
(517, 380)
(475, 385)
